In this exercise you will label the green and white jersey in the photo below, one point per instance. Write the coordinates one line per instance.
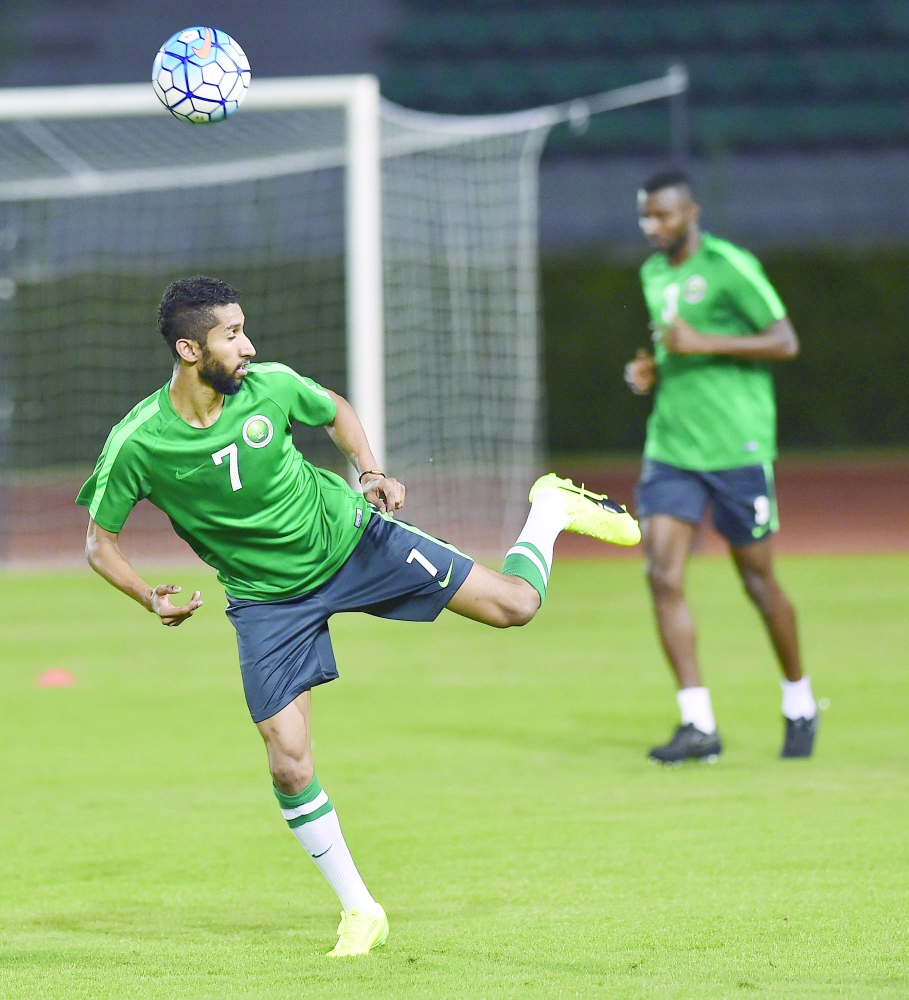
(239, 492)
(712, 412)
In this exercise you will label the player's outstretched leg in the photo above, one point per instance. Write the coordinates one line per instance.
(513, 596)
(314, 822)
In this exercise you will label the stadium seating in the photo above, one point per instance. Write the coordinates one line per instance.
(807, 73)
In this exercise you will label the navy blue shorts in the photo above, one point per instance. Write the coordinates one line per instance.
(396, 571)
(742, 501)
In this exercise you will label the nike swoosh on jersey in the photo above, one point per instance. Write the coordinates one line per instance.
(205, 51)
(444, 583)
(185, 475)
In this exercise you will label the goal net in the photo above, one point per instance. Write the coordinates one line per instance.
(388, 254)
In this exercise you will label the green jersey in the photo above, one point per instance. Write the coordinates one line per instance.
(711, 412)
(239, 492)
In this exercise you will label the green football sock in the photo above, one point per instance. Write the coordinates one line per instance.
(306, 806)
(525, 560)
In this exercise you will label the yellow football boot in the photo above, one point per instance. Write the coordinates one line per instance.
(360, 931)
(591, 513)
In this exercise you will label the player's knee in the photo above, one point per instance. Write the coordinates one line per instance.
(291, 774)
(664, 581)
(762, 588)
(525, 608)
(518, 605)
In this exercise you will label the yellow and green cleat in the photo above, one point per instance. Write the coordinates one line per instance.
(360, 931)
(591, 513)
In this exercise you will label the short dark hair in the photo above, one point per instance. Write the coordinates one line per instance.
(185, 309)
(668, 178)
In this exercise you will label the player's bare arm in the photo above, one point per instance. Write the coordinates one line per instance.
(640, 372)
(348, 435)
(102, 549)
(779, 342)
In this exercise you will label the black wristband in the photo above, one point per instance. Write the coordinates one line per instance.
(369, 472)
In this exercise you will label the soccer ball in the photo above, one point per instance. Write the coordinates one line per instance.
(201, 75)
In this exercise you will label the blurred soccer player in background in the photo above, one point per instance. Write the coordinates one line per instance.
(294, 544)
(711, 442)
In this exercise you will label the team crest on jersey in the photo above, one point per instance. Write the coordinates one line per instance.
(695, 289)
(258, 431)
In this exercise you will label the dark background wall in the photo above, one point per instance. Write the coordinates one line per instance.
(847, 389)
(798, 139)
(46, 42)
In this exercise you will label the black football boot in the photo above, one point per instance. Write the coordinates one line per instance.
(800, 733)
(688, 743)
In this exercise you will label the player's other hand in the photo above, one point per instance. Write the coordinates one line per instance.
(640, 373)
(682, 338)
(387, 494)
(169, 613)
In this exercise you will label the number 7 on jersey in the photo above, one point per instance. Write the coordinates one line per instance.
(230, 452)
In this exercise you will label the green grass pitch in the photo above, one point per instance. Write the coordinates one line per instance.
(493, 788)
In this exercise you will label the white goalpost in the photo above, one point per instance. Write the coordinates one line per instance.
(356, 96)
(391, 254)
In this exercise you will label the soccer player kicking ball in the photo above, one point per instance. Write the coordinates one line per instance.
(711, 441)
(294, 544)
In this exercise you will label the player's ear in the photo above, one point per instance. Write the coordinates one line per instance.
(188, 350)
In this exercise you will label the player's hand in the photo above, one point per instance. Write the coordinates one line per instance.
(680, 337)
(387, 494)
(169, 613)
(640, 373)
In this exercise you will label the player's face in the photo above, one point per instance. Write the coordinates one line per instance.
(665, 217)
(227, 351)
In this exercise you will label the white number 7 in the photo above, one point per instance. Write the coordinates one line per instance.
(231, 452)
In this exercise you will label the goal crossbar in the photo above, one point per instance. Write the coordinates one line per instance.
(111, 100)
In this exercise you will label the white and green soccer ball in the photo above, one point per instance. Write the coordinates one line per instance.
(201, 75)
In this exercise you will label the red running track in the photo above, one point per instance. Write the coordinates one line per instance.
(848, 505)
(826, 506)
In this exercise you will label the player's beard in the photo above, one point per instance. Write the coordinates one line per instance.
(671, 246)
(676, 245)
(221, 378)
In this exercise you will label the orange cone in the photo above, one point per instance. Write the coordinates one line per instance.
(56, 677)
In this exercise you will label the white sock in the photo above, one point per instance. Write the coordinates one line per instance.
(531, 555)
(546, 520)
(322, 838)
(798, 700)
(694, 704)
